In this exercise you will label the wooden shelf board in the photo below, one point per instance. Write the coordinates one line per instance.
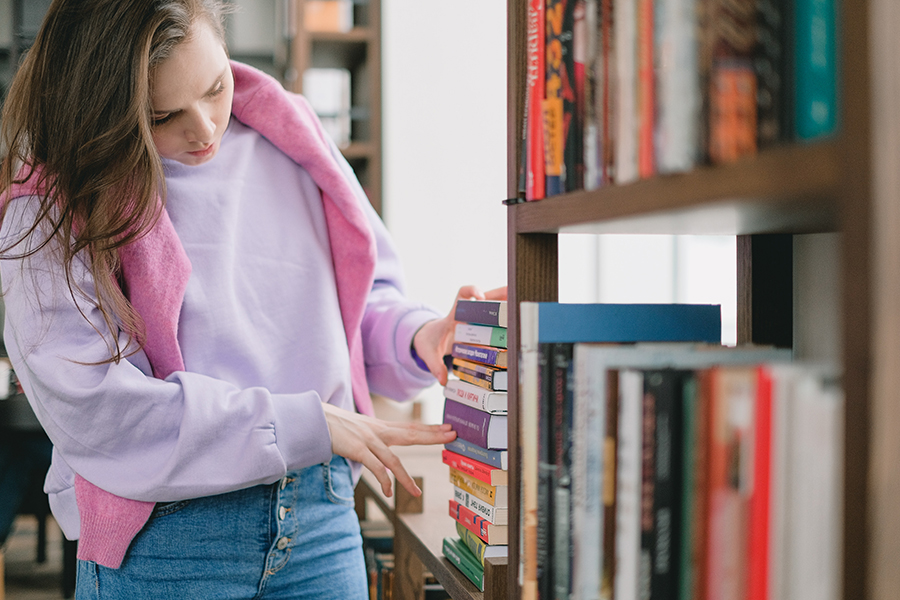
(357, 150)
(782, 190)
(424, 532)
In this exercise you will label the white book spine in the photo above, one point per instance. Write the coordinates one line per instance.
(625, 26)
(628, 485)
(587, 474)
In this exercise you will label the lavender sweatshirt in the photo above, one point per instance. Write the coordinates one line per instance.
(259, 330)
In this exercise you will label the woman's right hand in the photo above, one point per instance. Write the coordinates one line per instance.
(367, 439)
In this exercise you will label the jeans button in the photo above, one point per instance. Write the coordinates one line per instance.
(284, 482)
(282, 543)
(282, 511)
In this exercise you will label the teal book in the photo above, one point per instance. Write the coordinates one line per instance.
(456, 551)
(553, 322)
(815, 68)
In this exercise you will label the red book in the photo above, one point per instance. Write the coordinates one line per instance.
(646, 91)
(758, 550)
(480, 471)
(489, 533)
(534, 78)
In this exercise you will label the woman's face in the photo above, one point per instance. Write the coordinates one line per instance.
(190, 96)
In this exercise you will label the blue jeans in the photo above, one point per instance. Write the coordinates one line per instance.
(297, 538)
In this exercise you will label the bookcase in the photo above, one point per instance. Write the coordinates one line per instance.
(846, 185)
(355, 47)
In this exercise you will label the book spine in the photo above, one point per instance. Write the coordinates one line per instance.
(482, 354)
(545, 498)
(587, 471)
(481, 312)
(498, 459)
(770, 76)
(455, 553)
(628, 485)
(561, 398)
(646, 97)
(665, 387)
(468, 366)
(475, 396)
(476, 487)
(648, 484)
(573, 95)
(593, 73)
(608, 524)
(733, 122)
(469, 423)
(472, 541)
(479, 379)
(606, 107)
(492, 514)
(553, 107)
(625, 32)
(491, 534)
(758, 547)
(472, 468)
(480, 334)
(815, 68)
(687, 555)
(678, 91)
(534, 149)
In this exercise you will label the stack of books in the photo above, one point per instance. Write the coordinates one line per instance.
(476, 405)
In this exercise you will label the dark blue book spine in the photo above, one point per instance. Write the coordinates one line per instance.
(493, 458)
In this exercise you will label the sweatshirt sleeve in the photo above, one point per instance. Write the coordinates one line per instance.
(125, 431)
(391, 319)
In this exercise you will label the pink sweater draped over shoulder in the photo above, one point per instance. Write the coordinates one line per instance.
(156, 269)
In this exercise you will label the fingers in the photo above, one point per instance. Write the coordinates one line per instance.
(468, 292)
(496, 294)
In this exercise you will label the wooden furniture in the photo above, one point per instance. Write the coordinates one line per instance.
(421, 524)
(359, 51)
(847, 185)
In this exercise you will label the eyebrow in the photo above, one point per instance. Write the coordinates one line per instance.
(218, 81)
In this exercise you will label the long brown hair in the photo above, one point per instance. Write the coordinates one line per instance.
(77, 120)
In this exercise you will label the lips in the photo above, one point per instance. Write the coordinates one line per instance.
(201, 153)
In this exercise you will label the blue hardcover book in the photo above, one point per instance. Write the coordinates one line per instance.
(494, 458)
(622, 323)
(815, 68)
(544, 323)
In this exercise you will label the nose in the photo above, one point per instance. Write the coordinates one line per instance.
(200, 127)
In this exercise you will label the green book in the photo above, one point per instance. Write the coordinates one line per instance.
(462, 558)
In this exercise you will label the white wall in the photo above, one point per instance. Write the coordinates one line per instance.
(444, 144)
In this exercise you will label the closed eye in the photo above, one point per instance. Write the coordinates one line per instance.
(163, 119)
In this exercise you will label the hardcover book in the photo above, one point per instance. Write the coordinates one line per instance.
(475, 396)
(481, 312)
(498, 459)
(490, 533)
(481, 428)
(474, 468)
(485, 355)
(498, 495)
(483, 335)
(458, 553)
(477, 545)
(493, 514)
(489, 378)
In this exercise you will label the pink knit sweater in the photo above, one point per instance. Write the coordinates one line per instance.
(155, 270)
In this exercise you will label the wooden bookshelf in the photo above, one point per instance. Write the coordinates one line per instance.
(420, 526)
(848, 185)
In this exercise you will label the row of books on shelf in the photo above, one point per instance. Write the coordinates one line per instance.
(674, 469)
(619, 90)
(475, 403)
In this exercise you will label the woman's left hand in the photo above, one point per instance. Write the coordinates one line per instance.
(435, 338)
